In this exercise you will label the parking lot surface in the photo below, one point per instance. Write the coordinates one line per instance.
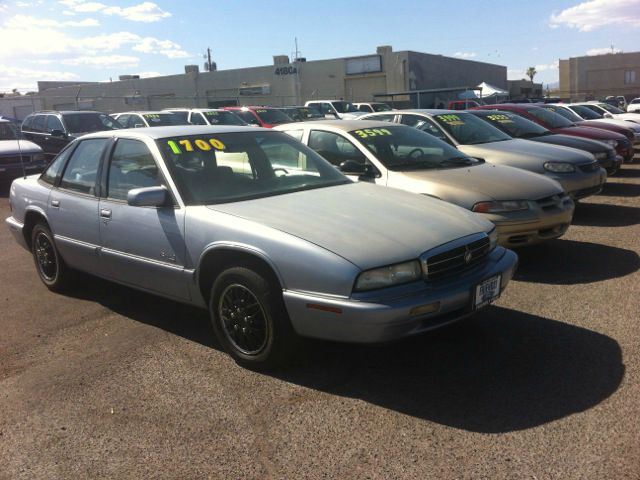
(109, 382)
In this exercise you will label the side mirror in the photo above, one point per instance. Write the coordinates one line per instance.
(58, 133)
(138, 125)
(148, 197)
(351, 167)
(608, 115)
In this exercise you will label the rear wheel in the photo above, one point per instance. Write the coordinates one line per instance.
(249, 318)
(50, 266)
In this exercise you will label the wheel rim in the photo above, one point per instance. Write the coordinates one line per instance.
(243, 319)
(46, 257)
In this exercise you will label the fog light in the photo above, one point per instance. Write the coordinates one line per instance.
(422, 309)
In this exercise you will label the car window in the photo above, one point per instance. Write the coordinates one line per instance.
(182, 115)
(88, 122)
(550, 118)
(247, 117)
(132, 166)
(162, 119)
(52, 172)
(82, 168)
(273, 116)
(123, 120)
(334, 147)
(236, 166)
(424, 124)
(222, 117)
(26, 124)
(198, 119)
(514, 125)
(470, 130)
(381, 107)
(38, 123)
(53, 123)
(384, 118)
(365, 108)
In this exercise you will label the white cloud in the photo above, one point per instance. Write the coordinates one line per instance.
(603, 51)
(464, 54)
(547, 66)
(147, 12)
(25, 22)
(105, 61)
(162, 47)
(587, 16)
(26, 78)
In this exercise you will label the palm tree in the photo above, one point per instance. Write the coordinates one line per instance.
(531, 72)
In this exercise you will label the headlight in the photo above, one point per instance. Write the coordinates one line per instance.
(500, 207)
(600, 155)
(613, 143)
(388, 276)
(559, 167)
(493, 238)
(39, 157)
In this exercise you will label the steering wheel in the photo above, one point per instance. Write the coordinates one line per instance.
(279, 169)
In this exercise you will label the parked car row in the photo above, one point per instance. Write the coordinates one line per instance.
(292, 231)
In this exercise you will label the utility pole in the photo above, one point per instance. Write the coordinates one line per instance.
(208, 59)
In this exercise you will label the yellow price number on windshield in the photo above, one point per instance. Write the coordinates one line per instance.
(372, 132)
(187, 145)
(499, 118)
(450, 119)
(151, 116)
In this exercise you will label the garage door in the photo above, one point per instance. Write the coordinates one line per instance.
(362, 88)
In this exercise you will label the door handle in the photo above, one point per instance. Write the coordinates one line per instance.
(105, 213)
(55, 203)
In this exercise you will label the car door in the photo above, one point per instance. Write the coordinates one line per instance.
(141, 246)
(58, 141)
(73, 206)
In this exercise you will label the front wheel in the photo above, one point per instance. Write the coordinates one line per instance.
(250, 319)
(50, 266)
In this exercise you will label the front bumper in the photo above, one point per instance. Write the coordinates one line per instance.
(545, 219)
(581, 184)
(380, 319)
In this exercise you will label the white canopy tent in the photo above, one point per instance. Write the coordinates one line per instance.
(488, 90)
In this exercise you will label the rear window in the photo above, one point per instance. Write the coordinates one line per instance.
(550, 118)
(89, 122)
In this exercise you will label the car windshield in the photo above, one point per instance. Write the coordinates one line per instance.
(565, 112)
(514, 125)
(273, 116)
(222, 117)
(89, 122)
(228, 167)
(550, 118)
(163, 119)
(380, 107)
(308, 112)
(8, 131)
(467, 129)
(586, 113)
(182, 115)
(403, 148)
(610, 108)
(344, 107)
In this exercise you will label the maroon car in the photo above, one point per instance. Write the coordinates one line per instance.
(558, 124)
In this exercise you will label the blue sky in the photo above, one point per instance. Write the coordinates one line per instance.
(95, 40)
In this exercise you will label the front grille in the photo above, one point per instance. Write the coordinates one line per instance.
(456, 260)
(14, 159)
(548, 203)
(590, 167)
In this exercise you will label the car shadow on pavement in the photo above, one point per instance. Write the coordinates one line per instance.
(605, 215)
(617, 189)
(627, 173)
(504, 371)
(4, 189)
(568, 262)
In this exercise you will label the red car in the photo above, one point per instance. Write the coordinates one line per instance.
(558, 124)
(267, 117)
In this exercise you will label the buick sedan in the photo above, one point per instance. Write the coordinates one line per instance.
(260, 230)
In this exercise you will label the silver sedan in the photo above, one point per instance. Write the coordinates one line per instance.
(262, 231)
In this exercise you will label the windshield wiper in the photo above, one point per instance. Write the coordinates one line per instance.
(412, 166)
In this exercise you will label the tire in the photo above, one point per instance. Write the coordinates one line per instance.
(250, 319)
(50, 266)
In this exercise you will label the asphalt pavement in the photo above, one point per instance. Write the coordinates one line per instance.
(109, 382)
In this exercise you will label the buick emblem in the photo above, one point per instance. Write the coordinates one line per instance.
(468, 256)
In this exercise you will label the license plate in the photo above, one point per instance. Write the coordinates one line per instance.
(486, 292)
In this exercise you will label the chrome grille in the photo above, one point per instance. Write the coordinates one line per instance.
(456, 260)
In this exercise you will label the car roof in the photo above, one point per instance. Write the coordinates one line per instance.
(143, 112)
(174, 131)
(427, 111)
(344, 125)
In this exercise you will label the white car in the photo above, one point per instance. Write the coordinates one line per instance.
(609, 111)
(148, 119)
(580, 112)
(335, 109)
(207, 116)
(634, 106)
(370, 107)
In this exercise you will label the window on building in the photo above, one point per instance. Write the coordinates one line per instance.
(630, 76)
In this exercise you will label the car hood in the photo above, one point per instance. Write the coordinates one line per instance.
(470, 185)
(525, 154)
(15, 147)
(368, 225)
(604, 122)
(590, 132)
(581, 143)
(351, 115)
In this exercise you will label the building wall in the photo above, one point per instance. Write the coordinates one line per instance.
(19, 106)
(519, 89)
(597, 76)
(279, 84)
